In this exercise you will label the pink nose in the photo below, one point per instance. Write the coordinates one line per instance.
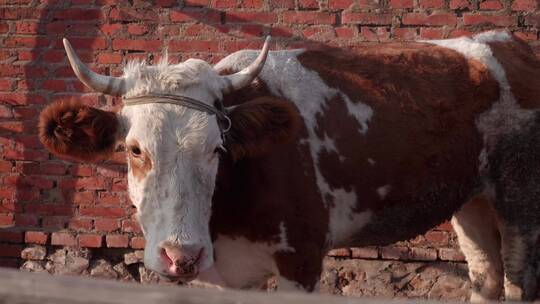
(181, 260)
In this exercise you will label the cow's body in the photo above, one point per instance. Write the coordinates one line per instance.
(393, 139)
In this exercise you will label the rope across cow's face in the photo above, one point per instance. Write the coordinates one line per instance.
(172, 128)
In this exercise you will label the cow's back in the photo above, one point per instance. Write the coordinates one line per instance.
(390, 147)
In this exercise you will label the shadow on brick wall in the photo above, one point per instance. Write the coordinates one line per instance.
(44, 199)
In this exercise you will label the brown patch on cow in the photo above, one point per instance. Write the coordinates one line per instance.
(72, 130)
(522, 69)
(259, 124)
(425, 100)
(254, 196)
(139, 160)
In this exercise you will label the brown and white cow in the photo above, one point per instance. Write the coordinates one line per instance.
(326, 148)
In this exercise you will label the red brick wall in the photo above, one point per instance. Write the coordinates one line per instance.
(44, 200)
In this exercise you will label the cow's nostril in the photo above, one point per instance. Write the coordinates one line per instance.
(165, 257)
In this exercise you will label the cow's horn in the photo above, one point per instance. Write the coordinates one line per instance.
(244, 77)
(100, 83)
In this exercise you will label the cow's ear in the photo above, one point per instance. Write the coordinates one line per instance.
(259, 124)
(72, 130)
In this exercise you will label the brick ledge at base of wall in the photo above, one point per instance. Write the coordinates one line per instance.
(350, 277)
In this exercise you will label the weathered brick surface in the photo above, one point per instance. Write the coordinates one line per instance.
(46, 203)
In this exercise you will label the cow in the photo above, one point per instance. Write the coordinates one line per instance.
(260, 164)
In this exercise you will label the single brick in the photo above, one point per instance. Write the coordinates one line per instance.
(525, 5)
(106, 225)
(364, 253)
(531, 19)
(340, 252)
(493, 20)
(194, 46)
(63, 239)
(90, 240)
(105, 212)
(138, 242)
(431, 33)
(131, 226)
(80, 224)
(395, 252)
(36, 237)
(401, 3)
(423, 254)
(435, 19)
(433, 4)
(314, 4)
(460, 4)
(108, 58)
(491, 5)
(332, 4)
(366, 18)
(405, 33)
(117, 241)
(451, 254)
(439, 237)
(309, 17)
(137, 44)
(251, 17)
(447, 226)
(137, 29)
(78, 14)
(6, 220)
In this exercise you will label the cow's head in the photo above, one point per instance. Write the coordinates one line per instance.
(173, 151)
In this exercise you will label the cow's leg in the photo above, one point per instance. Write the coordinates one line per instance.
(518, 251)
(514, 167)
(478, 236)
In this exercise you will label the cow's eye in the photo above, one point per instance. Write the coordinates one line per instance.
(136, 151)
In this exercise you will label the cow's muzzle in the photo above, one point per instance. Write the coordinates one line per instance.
(181, 262)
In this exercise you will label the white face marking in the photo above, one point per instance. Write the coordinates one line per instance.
(173, 198)
(311, 94)
(383, 191)
(505, 115)
(371, 161)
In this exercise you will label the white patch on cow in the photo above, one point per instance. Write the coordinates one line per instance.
(187, 77)
(493, 36)
(344, 219)
(285, 284)
(311, 94)
(361, 111)
(283, 244)
(383, 191)
(242, 263)
(245, 264)
(505, 115)
(371, 161)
